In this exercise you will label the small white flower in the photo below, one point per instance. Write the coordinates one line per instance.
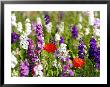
(49, 27)
(61, 27)
(40, 67)
(40, 74)
(24, 44)
(23, 36)
(19, 26)
(13, 61)
(87, 31)
(13, 19)
(28, 28)
(57, 37)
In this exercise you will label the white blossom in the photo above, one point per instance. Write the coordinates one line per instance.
(19, 26)
(13, 20)
(57, 37)
(49, 27)
(62, 47)
(24, 44)
(13, 61)
(61, 27)
(97, 32)
(38, 70)
(28, 26)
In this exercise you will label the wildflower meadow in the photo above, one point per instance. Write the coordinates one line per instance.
(55, 43)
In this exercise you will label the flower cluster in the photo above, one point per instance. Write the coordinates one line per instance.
(39, 34)
(78, 62)
(14, 37)
(50, 44)
(24, 41)
(81, 52)
(38, 70)
(24, 68)
(74, 32)
(94, 51)
(48, 23)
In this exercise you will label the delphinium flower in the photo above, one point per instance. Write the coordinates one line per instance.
(97, 26)
(96, 23)
(61, 27)
(74, 32)
(38, 70)
(61, 40)
(32, 56)
(24, 41)
(57, 37)
(67, 71)
(81, 50)
(13, 61)
(78, 62)
(28, 26)
(92, 49)
(39, 34)
(13, 20)
(14, 37)
(19, 26)
(48, 24)
(24, 68)
(94, 52)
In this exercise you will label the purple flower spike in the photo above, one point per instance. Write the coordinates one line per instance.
(81, 50)
(24, 68)
(14, 37)
(74, 32)
(94, 52)
(47, 19)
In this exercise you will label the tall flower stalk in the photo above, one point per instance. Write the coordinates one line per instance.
(81, 52)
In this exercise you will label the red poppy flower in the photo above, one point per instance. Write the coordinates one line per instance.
(78, 62)
(50, 47)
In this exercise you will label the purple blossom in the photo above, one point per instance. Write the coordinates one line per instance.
(40, 40)
(14, 37)
(71, 73)
(61, 40)
(74, 32)
(24, 68)
(81, 50)
(47, 19)
(94, 52)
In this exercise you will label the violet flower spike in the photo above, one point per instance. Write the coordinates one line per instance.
(74, 32)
